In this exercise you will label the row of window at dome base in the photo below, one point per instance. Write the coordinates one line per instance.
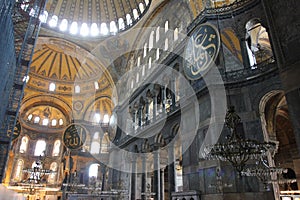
(84, 30)
(45, 121)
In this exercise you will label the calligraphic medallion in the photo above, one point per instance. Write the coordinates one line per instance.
(74, 136)
(201, 51)
(17, 130)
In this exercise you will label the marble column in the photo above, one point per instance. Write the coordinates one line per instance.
(162, 184)
(144, 176)
(173, 91)
(140, 112)
(133, 114)
(133, 179)
(157, 186)
(171, 170)
(147, 111)
(103, 171)
(154, 107)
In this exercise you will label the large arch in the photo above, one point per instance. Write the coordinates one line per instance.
(277, 128)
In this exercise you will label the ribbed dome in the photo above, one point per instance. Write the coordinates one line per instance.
(52, 62)
(105, 16)
(66, 65)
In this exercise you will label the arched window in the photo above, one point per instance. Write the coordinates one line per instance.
(96, 84)
(24, 144)
(63, 25)
(150, 63)
(60, 122)
(26, 79)
(176, 34)
(166, 44)
(94, 29)
(40, 147)
(36, 120)
(145, 50)
(77, 89)
(146, 2)
(132, 83)
(141, 7)
(113, 27)
(29, 117)
(52, 176)
(128, 19)
(135, 14)
(143, 70)
(157, 53)
(137, 77)
(53, 122)
(25, 5)
(121, 24)
(53, 21)
(93, 170)
(84, 30)
(166, 26)
(105, 144)
(56, 148)
(151, 38)
(257, 43)
(45, 122)
(106, 119)
(43, 17)
(52, 87)
(18, 170)
(95, 145)
(157, 34)
(139, 61)
(97, 117)
(74, 28)
(103, 29)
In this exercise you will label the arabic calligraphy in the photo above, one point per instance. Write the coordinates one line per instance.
(17, 130)
(74, 136)
(201, 51)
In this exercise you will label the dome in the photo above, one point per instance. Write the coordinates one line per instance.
(66, 68)
(95, 17)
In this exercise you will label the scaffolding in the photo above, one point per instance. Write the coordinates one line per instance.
(26, 25)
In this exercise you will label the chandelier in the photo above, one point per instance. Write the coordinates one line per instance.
(37, 173)
(36, 176)
(264, 172)
(237, 150)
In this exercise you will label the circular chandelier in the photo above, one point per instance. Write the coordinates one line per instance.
(37, 173)
(237, 150)
(264, 172)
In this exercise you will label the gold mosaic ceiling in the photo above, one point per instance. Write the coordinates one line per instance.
(52, 62)
(67, 65)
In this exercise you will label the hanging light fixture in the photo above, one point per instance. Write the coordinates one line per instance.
(36, 179)
(264, 172)
(237, 150)
(37, 173)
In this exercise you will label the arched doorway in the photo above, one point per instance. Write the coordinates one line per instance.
(278, 128)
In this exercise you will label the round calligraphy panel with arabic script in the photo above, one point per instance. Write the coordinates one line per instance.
(74, 136)
(201, 50)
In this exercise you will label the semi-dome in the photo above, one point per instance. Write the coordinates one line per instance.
(66, 68)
